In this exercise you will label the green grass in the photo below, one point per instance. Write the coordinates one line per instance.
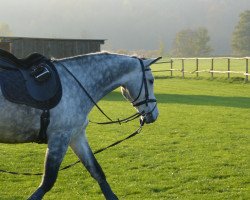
(198, 149)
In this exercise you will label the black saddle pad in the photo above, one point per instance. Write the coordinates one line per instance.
(14, 89)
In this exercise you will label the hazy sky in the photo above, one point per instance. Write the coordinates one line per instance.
(126, 24)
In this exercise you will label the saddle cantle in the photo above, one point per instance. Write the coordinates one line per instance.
(32, 81)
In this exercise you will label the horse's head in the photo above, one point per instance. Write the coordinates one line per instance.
(139, 90)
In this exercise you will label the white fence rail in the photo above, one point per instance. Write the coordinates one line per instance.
(211, 66)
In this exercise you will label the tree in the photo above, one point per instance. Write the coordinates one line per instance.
(241, 35)
(161, 49)
(190, 42)
(5, 29)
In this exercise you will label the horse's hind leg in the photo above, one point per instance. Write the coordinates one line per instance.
(80, 146)
(57, 147)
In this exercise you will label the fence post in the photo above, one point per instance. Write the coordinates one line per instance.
(197, 67)
(212, 68)
(228, 68)
(182, 69)
(246, 80)
(171, 67)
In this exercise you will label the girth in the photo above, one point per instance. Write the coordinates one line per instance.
(32, 81)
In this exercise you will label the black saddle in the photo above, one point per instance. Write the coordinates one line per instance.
(32, 81)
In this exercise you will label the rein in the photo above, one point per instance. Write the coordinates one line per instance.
(134, 103)
(78, 161)
(86, 92)
(125, 120)
(119, 121)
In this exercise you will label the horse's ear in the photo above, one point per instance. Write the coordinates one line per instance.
(150, 61)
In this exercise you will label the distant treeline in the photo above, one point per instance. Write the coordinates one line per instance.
(196, 42)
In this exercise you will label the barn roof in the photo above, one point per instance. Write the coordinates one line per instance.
(59, 39)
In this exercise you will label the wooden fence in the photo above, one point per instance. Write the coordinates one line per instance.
(181, 65)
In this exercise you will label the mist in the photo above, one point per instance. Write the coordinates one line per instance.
(125, 24)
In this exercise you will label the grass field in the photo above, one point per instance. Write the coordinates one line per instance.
(198, 149)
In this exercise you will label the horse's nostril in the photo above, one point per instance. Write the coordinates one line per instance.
(151, 117)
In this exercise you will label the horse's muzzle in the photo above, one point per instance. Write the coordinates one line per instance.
(150, 117)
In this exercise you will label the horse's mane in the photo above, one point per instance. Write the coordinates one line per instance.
(102, 53)
(80, 56)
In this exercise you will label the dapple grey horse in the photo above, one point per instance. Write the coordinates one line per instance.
(99, 73)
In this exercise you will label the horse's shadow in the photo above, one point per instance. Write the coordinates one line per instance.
(236, 102)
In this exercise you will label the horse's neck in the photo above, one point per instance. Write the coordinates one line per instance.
(101, 75)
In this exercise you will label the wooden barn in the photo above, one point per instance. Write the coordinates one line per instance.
(50, 47)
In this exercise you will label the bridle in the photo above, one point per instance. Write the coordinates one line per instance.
(133, 102)
(145, 84)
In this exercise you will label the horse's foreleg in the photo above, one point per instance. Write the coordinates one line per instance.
(57, 147)
(80, 146)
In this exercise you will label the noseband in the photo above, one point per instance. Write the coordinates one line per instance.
(145, 84)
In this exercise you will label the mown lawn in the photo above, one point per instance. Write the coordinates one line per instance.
(198, 149)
